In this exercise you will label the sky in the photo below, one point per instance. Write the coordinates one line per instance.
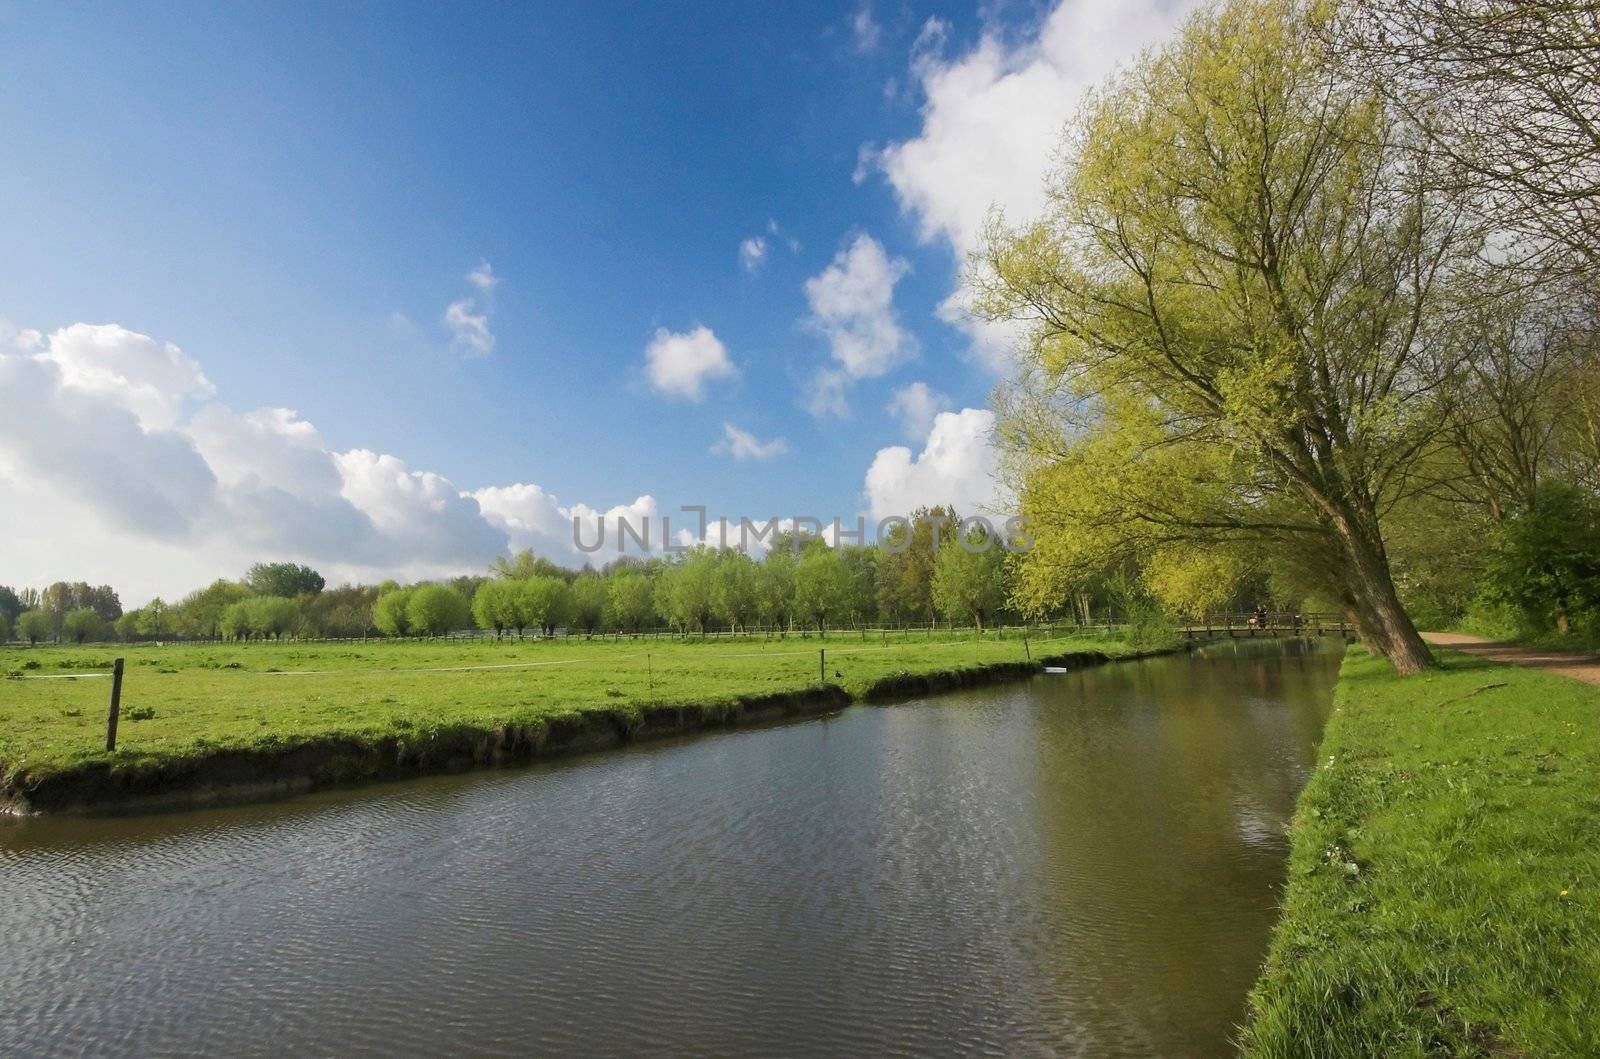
(393, 289)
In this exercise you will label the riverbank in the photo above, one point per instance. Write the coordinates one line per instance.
(1444, 878)
(220, 724)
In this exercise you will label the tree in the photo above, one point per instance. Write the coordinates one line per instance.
(734, 589)
(589, 598)
(1234, 306)
(200, 612)
(436, 609)
(632, 600)
(1546, 561)
(127, 626)
(775, 589)
(82, 625)
(525, 564)
(272, 616)
(10, 604)
(152, 619)
(904, 579)
(686, 590)
(5, 628)
(542, 602)
(283, 579)
(34, 625)
(969, 576)
(861, 571)
(234, 621)
(821, 585)
(492, 607)
(389, 612)
(1508, 91)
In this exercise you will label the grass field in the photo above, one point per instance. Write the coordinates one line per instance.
(181, 701)
(1444, 881)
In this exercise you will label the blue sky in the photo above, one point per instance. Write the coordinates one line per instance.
(295, 194)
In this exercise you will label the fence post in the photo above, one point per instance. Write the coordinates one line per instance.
(822, 664)
(116, 705)
(1025, 648)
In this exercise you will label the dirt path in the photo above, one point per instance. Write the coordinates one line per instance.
(1572, 664)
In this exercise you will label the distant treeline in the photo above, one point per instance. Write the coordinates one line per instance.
(919, 573)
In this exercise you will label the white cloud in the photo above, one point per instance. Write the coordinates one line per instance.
(957, 466)
(852, 304)
(117, 467)
(992, 117)
(466, 321)
(864, 29)
(152, 378)
(742, 445)
(469, 330)
(915, 406)
(680, 364)
(753, 253)
(825, 393)
(483, 277)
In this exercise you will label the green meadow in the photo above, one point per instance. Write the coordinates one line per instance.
(185, 701)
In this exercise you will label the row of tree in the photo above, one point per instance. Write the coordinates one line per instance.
(920, 573)
(1312, 307)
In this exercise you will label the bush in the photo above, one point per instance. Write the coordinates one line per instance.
(1543, 571)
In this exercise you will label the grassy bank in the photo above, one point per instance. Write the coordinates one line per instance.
(1444, 880)
(258, 716)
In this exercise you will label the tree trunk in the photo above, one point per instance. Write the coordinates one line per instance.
(1372, 587)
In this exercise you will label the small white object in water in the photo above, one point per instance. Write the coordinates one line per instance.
(1055, 669)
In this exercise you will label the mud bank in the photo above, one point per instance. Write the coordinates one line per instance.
(225, 775)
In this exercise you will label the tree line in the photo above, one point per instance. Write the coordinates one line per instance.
(933, 568)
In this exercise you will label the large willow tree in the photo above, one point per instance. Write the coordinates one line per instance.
(1237, 318)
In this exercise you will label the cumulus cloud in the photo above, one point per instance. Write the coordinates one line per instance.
(852, 305)
(957, 465)
(680, 364)
(992, 116)
(743, 445)
(753, 253)
(117, 465)
(916, 406)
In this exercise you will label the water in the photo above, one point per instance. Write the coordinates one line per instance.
(1083, 864)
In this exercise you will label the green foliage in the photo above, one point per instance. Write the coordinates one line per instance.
(200, 612)
(686, 590)
(735, 590)
(82, 625)
(632, 601)
(10, 605)
(283, 579)
(1236, 295)
(1545, 562)
(969, 576)
(589, 598)
(433, 610)
(903, 580)
(1443, 873)
(34, 625)
(822, 586)
(389, 613)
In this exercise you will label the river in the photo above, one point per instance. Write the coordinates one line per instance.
(1081, 864)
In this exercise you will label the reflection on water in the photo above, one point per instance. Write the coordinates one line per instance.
(1082, 864)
